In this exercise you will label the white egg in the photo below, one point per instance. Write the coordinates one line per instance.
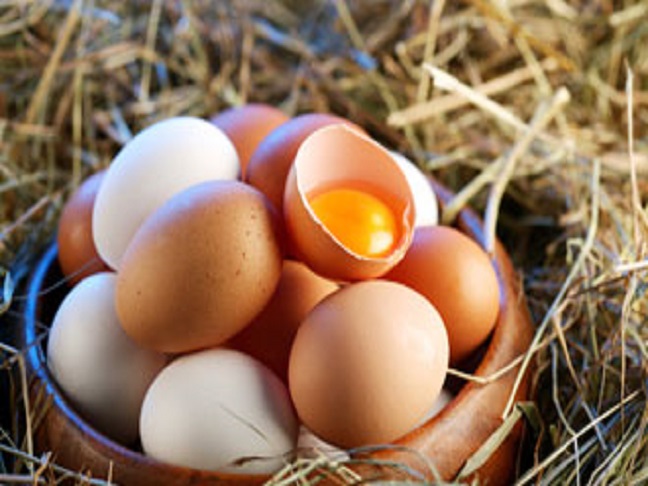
(157, 163)
(219, 410)
(100, 370)
(310, 445)
(425, 201)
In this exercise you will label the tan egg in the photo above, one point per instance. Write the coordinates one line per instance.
(271, 161)
(270, 336)
(77, 253)
(348, 208)
(200, 268)
(367, 363)
(247, 125)
(457, 277)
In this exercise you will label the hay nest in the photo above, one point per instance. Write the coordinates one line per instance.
(532, 111)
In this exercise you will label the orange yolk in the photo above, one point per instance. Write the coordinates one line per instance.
(360, 221)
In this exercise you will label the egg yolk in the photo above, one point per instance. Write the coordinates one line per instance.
(360, 221)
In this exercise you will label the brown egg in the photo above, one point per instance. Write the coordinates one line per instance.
(367, 363)
(271, 161)
(247, 125)
(348, 208)
(457, 276)
(270, 336)
(77, 253)
(200, 268)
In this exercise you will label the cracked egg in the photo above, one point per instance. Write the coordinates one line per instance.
(348, 208)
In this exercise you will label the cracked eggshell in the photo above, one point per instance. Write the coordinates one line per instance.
(337, 156)
(156, 164)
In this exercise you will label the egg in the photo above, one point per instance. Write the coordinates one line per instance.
(456, 275)
(157, 163)
(247, 125)
(367, 363)
(348, 209)
(271, 161)
(425, 200)
(99, 368)
(77, 254)
(200, 268)
(269, 337)
(219, 410)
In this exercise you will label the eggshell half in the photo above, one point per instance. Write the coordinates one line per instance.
(157, 163)
(337, 156)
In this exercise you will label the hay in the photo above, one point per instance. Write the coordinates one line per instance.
(564, 190)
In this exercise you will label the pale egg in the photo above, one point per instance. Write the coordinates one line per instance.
(219, 410)
(99, 368)
(157, 163)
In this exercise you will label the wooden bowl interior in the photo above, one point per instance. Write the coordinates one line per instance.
(441, 446)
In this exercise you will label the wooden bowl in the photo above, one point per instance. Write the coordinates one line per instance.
(446, 441)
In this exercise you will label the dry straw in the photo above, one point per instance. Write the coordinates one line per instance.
(533, 112)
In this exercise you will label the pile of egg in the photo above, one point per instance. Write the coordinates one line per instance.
(250, 284)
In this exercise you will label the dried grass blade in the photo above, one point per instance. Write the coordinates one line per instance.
(486, 450)
(571, 277)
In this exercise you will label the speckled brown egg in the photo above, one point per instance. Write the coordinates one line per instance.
(77, 253)
(200, 268)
